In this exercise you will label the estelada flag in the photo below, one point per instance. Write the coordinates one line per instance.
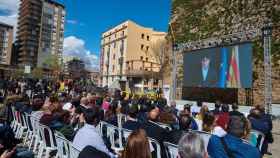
(233, 78)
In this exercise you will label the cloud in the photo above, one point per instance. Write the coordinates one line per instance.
(74, 46)
(72, 22)
(9, 9)
(75, 22)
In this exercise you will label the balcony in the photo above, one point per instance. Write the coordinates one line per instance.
(141, 68)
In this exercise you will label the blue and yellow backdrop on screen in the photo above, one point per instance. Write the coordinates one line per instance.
(222, 67)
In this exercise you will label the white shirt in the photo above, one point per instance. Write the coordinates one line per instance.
(219, 131)
(199, 124)
(89, 136)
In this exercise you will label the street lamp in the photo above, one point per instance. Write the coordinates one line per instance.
(174, 63)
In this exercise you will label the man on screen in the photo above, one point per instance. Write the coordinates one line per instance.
(208, 74)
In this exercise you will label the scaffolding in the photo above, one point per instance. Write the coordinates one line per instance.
(267, 34)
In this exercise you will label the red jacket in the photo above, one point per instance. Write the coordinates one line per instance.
(223, 119)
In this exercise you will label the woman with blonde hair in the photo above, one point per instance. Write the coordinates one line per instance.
(199, 117)
(137, 145)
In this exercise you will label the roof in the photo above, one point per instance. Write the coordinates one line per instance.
(6, 25)
(55, 3)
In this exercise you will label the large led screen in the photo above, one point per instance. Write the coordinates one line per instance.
(220, 67)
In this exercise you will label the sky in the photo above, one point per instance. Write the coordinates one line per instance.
(86, 20)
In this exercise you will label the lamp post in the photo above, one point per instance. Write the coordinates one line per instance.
(174, 68)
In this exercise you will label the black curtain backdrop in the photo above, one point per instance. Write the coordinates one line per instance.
(228, 95)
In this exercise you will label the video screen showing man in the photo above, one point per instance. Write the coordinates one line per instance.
(208, 76)
(221, 67)
(201, 69)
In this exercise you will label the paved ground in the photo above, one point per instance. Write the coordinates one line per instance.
(275, 147)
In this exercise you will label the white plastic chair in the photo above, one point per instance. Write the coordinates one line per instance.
(122, 118)
(110, 133)
(29, 128)
(74, 152)
(62, 144)
(46, 132)
(205, 137)
(126, 133)
(14, 123)
(259, 136)
(35, 138)
(157, 149)
(171, 150)
(21, 127)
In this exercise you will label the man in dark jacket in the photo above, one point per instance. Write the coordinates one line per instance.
(260, 122)
(153, 129)
(132, 123)
(175, 135)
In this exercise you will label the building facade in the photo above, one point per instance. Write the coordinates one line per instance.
(40, 31)
(127, 57)
(6, 42)
(76, 69)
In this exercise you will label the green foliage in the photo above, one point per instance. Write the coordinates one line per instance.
(17, 73)
(53, 64)
(37, 73)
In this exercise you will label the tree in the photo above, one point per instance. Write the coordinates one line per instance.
(37, 73)
(161, 53)
(53, 64)
(17, 73)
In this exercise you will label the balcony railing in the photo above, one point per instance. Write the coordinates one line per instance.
(141, 68)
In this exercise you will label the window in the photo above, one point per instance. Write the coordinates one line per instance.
(114, 44)
(115, 35)
(114, 56)
(142, 46)
(147, 48)
(146, 58)
(141, 57)
(148, 38)
(142, 36)
(113, 67)
(123, 33)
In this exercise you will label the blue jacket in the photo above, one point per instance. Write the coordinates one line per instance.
(235, 145)
(260, 125)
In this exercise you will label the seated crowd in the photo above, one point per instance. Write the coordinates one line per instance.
(77, 117)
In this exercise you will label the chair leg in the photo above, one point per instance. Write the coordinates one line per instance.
(27, 136)
(47, 154)
(41, 150)
(35, 144)
(31, 142)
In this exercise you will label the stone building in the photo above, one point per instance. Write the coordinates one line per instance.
(196, 20)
